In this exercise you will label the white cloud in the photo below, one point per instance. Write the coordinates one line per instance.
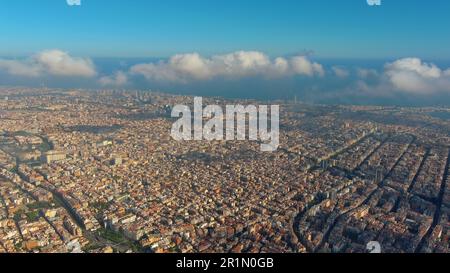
(407, 76)
(414, 76)
(302, 66)
(415, 65)
(187, 67)
(340, 72)
(281, 65)
(118, 79)
(60, 63)
(50, 62)
(192, 65)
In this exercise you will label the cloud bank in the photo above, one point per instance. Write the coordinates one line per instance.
(412, 75)
(194, 67)
(241, 73)
(49, 62)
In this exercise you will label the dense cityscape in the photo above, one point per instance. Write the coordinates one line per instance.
(97, 171)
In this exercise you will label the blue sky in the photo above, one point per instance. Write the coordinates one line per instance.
(160, 28)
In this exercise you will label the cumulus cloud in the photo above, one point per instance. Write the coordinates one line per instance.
(50, 62)
(410, 76)
(118, 79)
(340, 72)
(60, 63)
(192, 66)
(302, 66)
(415, 76)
